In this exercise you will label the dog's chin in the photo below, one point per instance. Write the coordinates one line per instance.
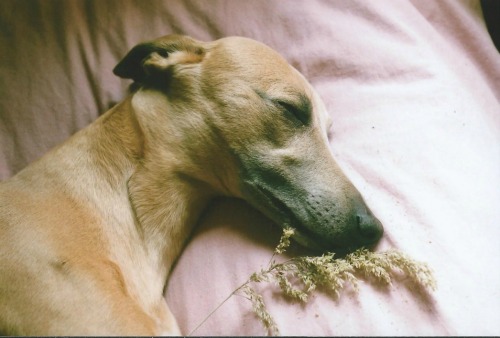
(318, 247)
(308, 243)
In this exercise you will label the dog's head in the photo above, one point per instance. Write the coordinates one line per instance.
(253, 127)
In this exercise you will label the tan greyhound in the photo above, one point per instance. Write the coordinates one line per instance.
(89, 232)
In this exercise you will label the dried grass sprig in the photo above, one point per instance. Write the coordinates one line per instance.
(299, 277)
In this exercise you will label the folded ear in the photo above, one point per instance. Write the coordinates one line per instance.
(148, 60)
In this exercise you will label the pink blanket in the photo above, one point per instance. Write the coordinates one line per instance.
(413, 88)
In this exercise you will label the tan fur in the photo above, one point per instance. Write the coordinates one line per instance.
(89, 232)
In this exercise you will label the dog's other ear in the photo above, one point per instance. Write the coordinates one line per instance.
(149, 60)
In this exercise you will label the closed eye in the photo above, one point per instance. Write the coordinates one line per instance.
(301, 110)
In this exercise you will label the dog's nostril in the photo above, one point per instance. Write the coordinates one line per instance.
(369, 227)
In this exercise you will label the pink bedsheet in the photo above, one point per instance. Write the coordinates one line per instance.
(413, 88)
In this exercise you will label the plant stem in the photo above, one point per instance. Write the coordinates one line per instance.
(217, 308)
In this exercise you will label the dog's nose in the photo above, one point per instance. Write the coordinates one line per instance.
(369, 227)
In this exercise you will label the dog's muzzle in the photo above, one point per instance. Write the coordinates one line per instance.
(325, 218)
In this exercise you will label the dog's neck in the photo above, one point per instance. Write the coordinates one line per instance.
(167, 207)
(165, 202)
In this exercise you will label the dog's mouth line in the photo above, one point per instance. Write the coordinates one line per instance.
(281, 208)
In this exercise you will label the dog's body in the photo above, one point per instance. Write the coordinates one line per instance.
(89, 232)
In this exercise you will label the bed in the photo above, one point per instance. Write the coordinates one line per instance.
(413, 88)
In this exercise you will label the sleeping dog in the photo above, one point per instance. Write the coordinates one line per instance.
(89, 232)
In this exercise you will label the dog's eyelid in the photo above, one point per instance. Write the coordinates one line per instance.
(300, 111)
(299, 106)
(163, 53)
